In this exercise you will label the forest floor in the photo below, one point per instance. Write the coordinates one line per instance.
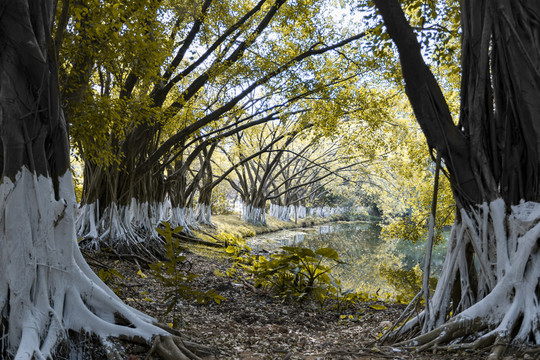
(252, 323)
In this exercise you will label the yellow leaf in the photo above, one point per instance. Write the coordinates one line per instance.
(218, 273)
(141, 274)
(377, 307)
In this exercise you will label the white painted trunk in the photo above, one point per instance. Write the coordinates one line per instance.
(183, 217)
(273, 210)
(325, 211)
(298, 212)
(320, 212)
(87, 220)
(203, 214)
(177, 216)
(280, 212)
(46, 287)
(253, 215)
(119, 227)
(505, 302)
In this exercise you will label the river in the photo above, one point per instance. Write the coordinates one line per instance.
(373, 265)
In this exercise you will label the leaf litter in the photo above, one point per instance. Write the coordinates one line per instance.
(254, 324)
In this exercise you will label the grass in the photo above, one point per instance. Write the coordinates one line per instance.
(234, 225)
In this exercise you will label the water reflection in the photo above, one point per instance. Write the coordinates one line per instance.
(326, 229)
(360, 246)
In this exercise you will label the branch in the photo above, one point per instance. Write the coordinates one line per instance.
(429, 104)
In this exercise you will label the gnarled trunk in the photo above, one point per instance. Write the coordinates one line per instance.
(46, 288)
(488, 290)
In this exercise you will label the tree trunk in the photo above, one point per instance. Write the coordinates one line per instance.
(253, 214)
(488, 290)
(279, 211)
(46, 288)
(203, 211)
(119, 211)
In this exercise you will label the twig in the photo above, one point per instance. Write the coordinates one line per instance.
(414, 302)
(195, 240)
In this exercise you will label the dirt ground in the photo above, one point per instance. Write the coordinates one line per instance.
(253, 324)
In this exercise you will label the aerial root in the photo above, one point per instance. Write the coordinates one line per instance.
(171, 348)
(482, 342)
(187, 343)
(457, 329)
(394, 331)
(446, 333)
(498, 350)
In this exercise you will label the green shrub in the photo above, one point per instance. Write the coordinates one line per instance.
(110, 277)
(299, 273)
(295, 273)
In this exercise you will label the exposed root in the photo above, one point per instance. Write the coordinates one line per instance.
(122, 229)
(407, 314)
(47, 290)
(171, 348)
(186, 341)
(493, 260)
(446, 333)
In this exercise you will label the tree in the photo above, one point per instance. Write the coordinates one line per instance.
(306, 168)
(254, 176)
(47, 291)
(208, 66)
(487, 293)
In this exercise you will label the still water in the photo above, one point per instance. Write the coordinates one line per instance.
(360, 246)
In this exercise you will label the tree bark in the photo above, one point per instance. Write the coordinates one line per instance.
(430, 107)
(487, 292)
(46, 288)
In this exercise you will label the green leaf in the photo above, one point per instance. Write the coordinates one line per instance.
(178, 229)
(162, 232)
(328, 253)
(300, 251)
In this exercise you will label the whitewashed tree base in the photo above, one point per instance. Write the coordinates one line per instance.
(253, 215)
(125, 229)
(46, 287)
(203, 214)
(505, 307)
(298, 212)
(280, 212)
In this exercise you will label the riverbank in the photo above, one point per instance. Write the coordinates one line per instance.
(234, 225)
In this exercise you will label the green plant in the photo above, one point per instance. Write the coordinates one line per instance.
(237, 249)
(175, 274)
(298, 273)
(343, 299)
(234, 245)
